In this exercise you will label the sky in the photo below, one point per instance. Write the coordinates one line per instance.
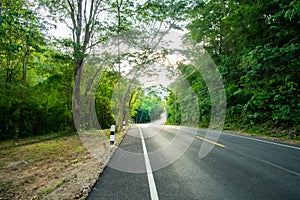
(174, 41)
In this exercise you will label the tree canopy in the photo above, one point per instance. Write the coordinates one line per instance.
(52, 84)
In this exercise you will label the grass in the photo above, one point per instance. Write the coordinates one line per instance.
(268, 132)
(60, 183)
(49, 190)
(33, 139)
(39, 151)
(46, 191)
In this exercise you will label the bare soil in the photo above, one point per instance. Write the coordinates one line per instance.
(59, 167)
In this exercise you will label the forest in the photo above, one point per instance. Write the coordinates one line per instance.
(52, 84)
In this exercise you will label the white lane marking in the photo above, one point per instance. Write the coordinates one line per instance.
(152, 186)
(245, 137)
(264, 141)
(269, 163)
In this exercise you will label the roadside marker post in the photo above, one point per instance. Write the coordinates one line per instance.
(112, 135)
(123, 126)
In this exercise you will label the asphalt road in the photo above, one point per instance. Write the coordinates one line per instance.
(156, 162)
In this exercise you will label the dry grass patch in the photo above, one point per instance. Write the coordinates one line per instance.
(51, 167)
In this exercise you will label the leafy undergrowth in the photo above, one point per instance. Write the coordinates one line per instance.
(49, 167)
(278, 134)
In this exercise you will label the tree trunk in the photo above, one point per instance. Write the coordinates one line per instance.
(78, 66)
(122, 110)
(68, 103)
(21, 128)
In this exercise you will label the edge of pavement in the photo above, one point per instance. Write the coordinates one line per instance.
(118, 140)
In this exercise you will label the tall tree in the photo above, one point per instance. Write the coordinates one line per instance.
(83, 19)
(21, 37)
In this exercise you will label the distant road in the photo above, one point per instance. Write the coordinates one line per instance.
(238, 167)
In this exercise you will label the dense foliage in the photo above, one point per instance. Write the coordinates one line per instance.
(35, 86)
(146, 107)
(256, 48)
(37, 77)
(103, 99)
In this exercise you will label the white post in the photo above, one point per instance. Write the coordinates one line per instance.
(112, 135)
(123, 126)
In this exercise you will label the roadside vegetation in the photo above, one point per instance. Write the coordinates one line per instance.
(256, 49)
(52, 166)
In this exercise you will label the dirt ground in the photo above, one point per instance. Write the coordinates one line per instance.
(60, 167)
